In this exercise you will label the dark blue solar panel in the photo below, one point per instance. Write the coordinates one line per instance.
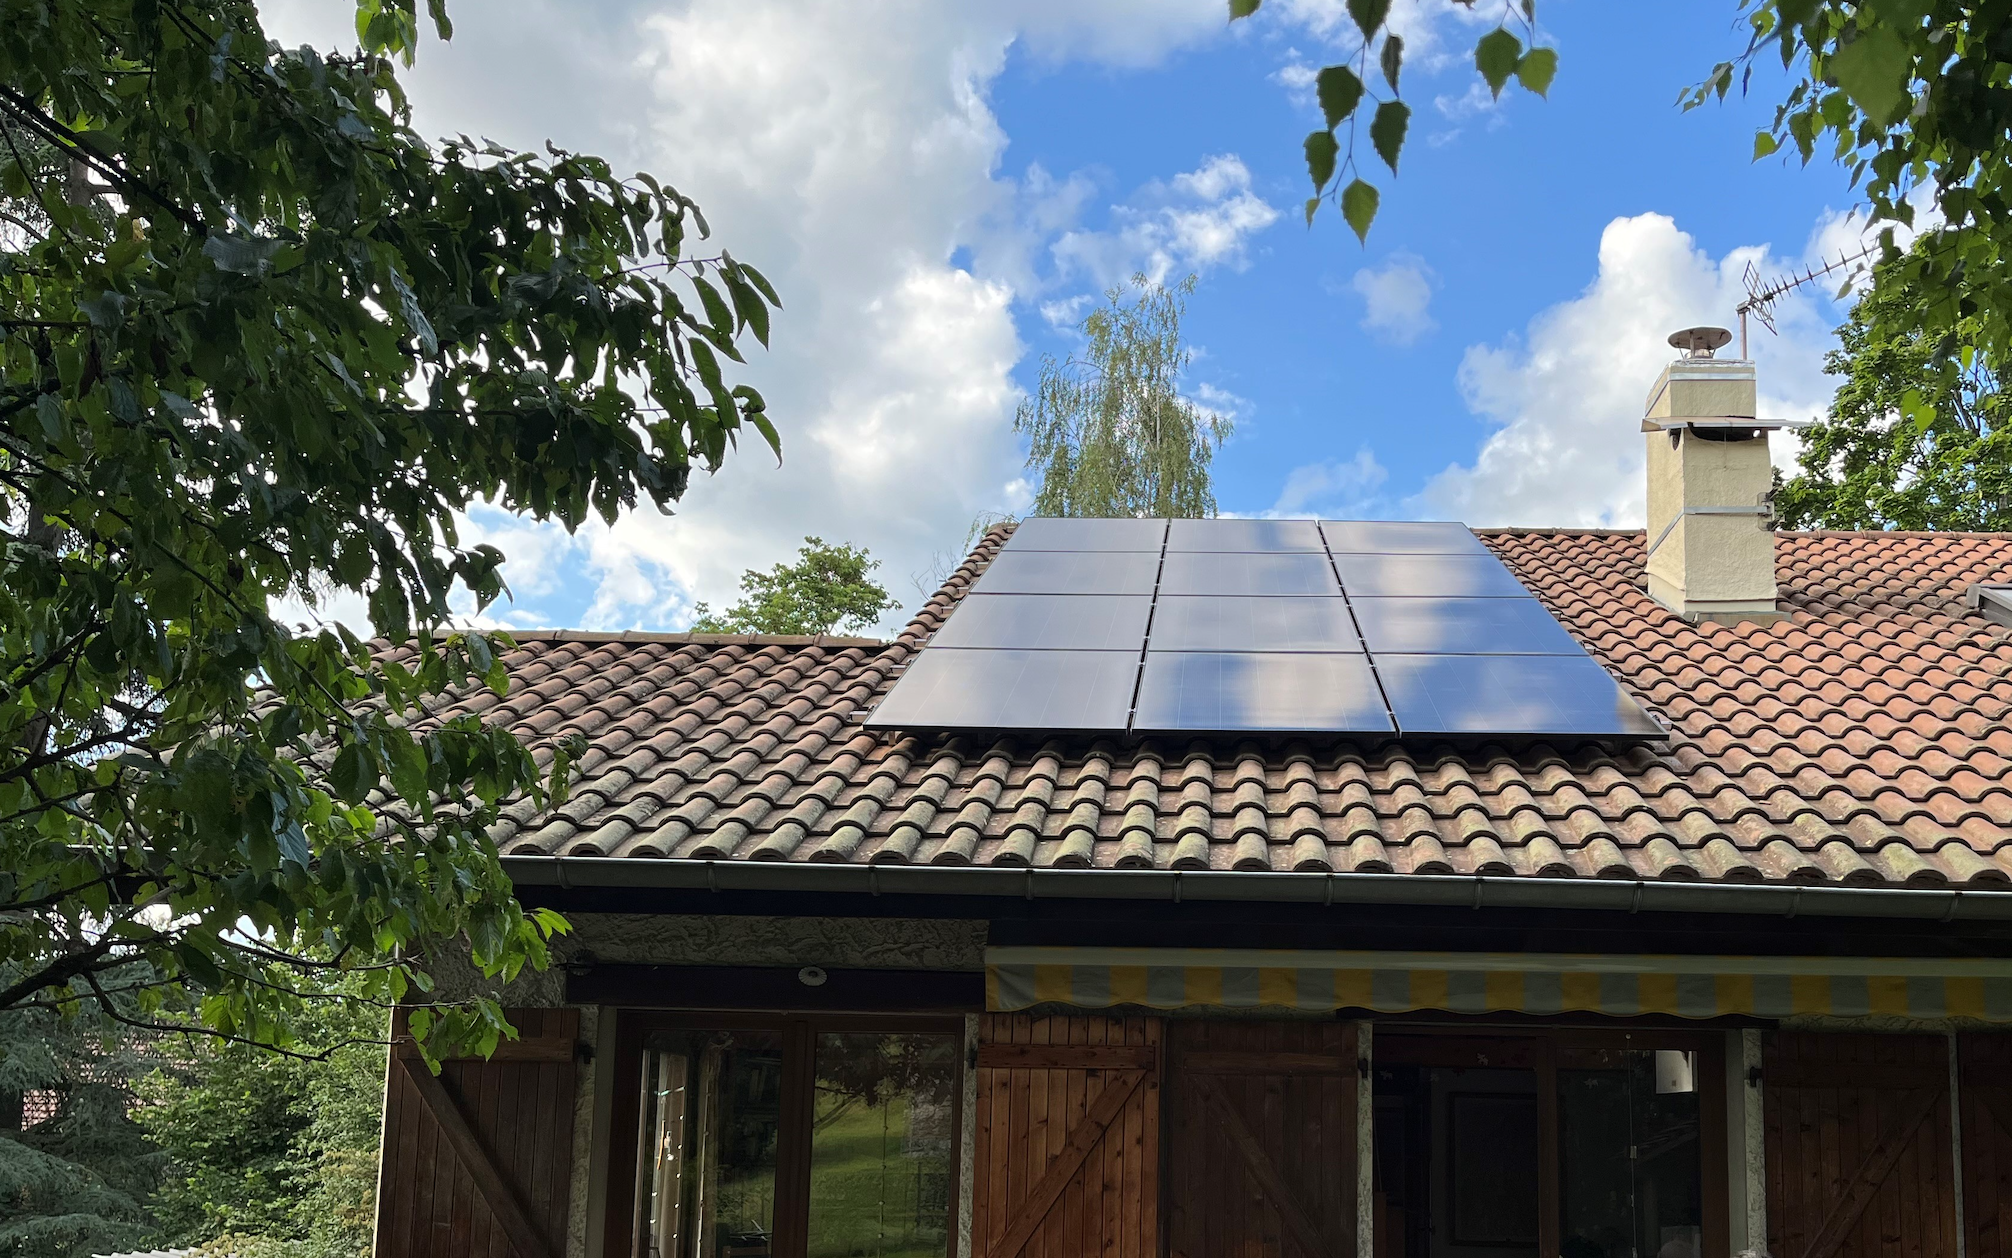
(1246, 623)
(1427, 576)
(1244, 535)
(1203, 692)
(1462, 626)
(1070, 572)
(945, 688)
(1053, 533)
(1400, 537)
(1048, 622)
(1214, 573)
(1510, 696)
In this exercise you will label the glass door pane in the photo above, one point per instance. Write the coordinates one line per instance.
(712, 1108)
(881, 1156)
(1629, 1172)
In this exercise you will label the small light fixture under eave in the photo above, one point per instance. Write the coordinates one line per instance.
(1993, 599)
(1676, 1072)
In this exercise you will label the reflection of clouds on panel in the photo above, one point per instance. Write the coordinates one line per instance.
(1202, 691)
(1509, 694)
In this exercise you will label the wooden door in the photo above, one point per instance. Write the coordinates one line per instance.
(1068, 1150)
(1858, 1146)
(1986, 1061)
(478, 1161)
(1262, 1140)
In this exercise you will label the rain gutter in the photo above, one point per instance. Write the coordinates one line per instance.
(1176, 886)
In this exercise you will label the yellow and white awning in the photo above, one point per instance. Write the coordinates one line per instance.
(1509, 982)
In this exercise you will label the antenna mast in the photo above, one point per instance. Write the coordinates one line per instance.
(1761, 297)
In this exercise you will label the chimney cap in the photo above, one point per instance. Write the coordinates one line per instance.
(1700, 342)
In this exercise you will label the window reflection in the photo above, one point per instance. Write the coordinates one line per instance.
(712, 1115)
(881, 1158)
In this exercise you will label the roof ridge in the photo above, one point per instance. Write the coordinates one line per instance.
(701, 639)
(1516, 530)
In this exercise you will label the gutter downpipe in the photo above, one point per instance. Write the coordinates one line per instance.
(1180, 886)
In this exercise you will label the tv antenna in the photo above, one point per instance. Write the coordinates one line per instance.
(1762, 295)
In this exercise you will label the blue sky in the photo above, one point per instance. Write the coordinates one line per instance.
(935, 186)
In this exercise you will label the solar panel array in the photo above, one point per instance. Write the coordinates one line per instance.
(1282, 627)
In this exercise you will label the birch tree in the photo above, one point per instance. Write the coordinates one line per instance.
(1109, 433)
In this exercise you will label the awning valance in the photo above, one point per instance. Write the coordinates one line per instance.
(1521, 982)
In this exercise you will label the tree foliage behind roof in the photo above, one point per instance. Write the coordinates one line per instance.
(828, 588)
(1919, 435)
(1109, 433)
(261, 344)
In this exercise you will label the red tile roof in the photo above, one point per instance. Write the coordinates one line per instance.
(1864, 739)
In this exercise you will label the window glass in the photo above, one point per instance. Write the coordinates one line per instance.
(881, 1161)
(1629, 1177)
(712, 1107)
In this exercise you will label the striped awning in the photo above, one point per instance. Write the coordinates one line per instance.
(1514, 982)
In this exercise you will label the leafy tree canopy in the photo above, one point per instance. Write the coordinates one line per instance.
(1109, 433)
(261, 344)
(1919, 435)
(1911, 97)
(828, 588)
(274, 1152)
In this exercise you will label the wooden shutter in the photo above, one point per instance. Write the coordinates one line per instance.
(1068, 1137)
(478, 1161)
(1986, 1061)
(1262, 1139)
(1858, 1146)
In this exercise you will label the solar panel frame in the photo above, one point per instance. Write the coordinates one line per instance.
(1427, 576)
(952, 689)
(1510, 697)
(1245, 537)
(1069, 533)
(1070, 572)
(1217, 573)
(1461, 626)
(1226, 692)
(1400, 537)
(1047, 622)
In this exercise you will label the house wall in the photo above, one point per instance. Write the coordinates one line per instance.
(958, 946)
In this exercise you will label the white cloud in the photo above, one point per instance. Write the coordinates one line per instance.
(850, 152)
(1197, 220)
(1567, 395)
(1396, 299)
(1338, 490)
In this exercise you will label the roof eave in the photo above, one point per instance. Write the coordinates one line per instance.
(1174, 886)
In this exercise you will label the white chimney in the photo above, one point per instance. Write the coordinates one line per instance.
(1711, 522)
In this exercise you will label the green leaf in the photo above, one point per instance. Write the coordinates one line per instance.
(1536, 68)
(1393, 118)
(1358, 206)
(352, 775)
(1339, 91)
(1312, 206)
(1243, 8)
(1873, 70)
(1392, 59)
(438, 10)
(1496, 57)
(1368, 15)
(1321, 150)
(1765, 144)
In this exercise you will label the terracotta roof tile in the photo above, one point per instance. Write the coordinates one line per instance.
(1863, 739)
